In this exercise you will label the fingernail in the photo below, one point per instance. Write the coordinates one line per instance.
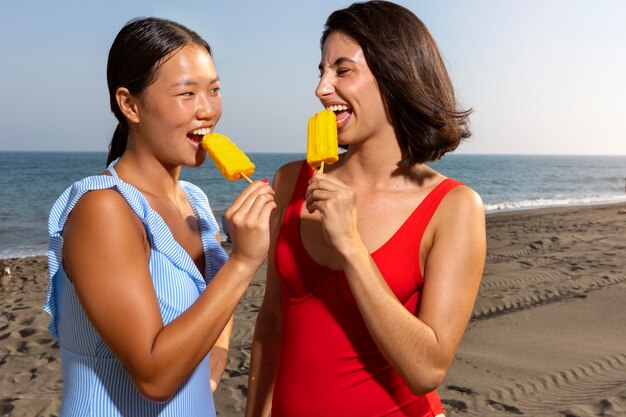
(265, 180)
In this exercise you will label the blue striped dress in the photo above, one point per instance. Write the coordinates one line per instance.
(94, 382)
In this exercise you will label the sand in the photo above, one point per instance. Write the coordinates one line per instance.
(547, 336)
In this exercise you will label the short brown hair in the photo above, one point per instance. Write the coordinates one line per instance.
(411, 75)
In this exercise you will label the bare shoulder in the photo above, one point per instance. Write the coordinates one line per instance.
(97, 210)
(465, 199)
(289, 170)
(461, 207)
(102, 203)
(283, 184)
(102, 238)
(285, 179)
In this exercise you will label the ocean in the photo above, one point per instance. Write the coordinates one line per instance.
(32, 181)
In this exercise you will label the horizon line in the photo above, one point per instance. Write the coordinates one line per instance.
(304, 153)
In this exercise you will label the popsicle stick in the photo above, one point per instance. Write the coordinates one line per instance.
(321, 170)
(246, 177)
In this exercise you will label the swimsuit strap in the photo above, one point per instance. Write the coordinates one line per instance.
(297, 197)
(112, 171)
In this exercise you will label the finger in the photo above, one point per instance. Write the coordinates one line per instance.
(323, 186)
(319, 198)
(249, 190)
(266, 212)
(319, 195)
(247, 214)
(328, 183)
(317, 178)
(257, 206)
(244, 197)
(319, 206)
(317, 175)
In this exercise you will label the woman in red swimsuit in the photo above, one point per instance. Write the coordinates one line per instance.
(374, 265)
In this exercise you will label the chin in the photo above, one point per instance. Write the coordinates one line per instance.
(200, 158)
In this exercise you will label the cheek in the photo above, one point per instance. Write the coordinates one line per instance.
(217, 106)
(376, 104)
(376, 96)
(168, 113)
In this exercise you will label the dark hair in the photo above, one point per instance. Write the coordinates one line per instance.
(410, 73)
(134, 60)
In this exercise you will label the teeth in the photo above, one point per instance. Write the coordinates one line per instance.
(203, 131)
(338, 107)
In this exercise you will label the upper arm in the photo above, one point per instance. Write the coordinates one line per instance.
(453, 267)
(104, 254)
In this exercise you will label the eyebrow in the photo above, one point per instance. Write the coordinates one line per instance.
(338, 61)
(187, 82)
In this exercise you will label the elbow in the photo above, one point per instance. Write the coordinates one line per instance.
(427, 382)
(155, 391)
(152, 380)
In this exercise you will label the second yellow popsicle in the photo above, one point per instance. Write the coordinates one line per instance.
(322, 145)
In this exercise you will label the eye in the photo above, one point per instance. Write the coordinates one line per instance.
(342, 71)
(187, 94)
(215, 90)
(321, 69)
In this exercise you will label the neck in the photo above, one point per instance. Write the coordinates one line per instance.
(372, 162)
(148, 174)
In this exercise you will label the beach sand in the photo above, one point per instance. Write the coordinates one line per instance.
(547, 336)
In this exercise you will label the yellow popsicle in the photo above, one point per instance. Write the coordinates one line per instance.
(228, 158)
(322, 145)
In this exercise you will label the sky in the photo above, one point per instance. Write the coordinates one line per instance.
(542, 77)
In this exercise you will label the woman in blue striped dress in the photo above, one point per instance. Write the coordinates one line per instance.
(141, 293)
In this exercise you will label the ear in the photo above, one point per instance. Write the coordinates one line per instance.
(128, 104)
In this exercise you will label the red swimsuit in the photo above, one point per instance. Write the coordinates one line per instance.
(329, 364)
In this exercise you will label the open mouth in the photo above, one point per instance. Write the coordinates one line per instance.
(198, 134)
(342, 112)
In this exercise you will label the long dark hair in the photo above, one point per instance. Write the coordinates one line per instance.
(412, 78)
(134, 60)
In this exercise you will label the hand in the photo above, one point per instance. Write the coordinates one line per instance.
(336, 203)
(248, 223)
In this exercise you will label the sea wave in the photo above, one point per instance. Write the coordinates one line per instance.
(552, 202)
(23, 252)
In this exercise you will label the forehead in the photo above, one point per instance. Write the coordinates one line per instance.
(339, 45)
(189, 61)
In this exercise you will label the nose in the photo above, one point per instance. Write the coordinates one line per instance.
(208, 107)
(325, 87)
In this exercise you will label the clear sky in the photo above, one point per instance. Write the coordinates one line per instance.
(543, 77)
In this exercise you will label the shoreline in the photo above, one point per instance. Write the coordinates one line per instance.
(546, 335)
(506, 212)
(621, 205)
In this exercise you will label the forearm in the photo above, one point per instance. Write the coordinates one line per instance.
(408, 344)
(263, 366)
(219, 355)
(180, 346)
